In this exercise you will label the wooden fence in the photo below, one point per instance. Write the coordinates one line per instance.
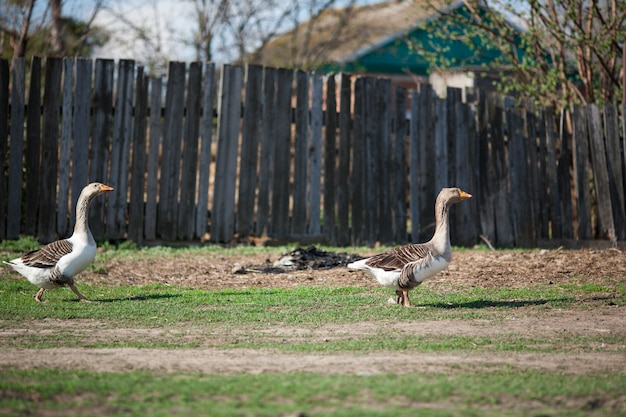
(254, 151)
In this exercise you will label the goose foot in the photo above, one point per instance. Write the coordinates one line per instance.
(39, 295)
(78, 294)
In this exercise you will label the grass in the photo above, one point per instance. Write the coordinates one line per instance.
(291, 321)
(464, 394)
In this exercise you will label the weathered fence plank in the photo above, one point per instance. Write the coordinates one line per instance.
(606, 226)
(206, 138)
(369, 188)
(426, 167)
(102, 116)
(120, 150)
(16, 150)
(453, 97)
(223, 214)
(399, 172)
(81, 130)
(343, 170)
(441, 145)
(280, 220)
(330, 161)
(167, 214)
(414, 163)
(267, 151)
(543, 176)
(187, 203)
(315, 154)
(4, 137)
(65, 148)
(357, 185)
(300, 175)
(33, 150)
(136, 206)
(385, 225)
(499, 184)
(530, 145)
(251, 129)
(152, 179)
(615, 170)
(519, 181)
(564, 179)
(553, 181)
(582, 172)
(465, 157)
(46, 226)
(482, 192)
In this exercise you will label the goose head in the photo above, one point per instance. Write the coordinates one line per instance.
(450, 196)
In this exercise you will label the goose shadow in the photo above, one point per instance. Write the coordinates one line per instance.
(491, 304)
(136, 298)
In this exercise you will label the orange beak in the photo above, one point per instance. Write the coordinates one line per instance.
(104, 188)
(464, 195)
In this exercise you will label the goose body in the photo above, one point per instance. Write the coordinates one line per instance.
(55, 264)
(405, 267)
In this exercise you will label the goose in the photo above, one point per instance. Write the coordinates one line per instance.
(55, 264)
(405, 267)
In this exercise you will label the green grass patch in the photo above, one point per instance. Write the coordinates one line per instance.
(162, 305)
(478, 393)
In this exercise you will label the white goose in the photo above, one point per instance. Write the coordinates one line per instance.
(55, 264)
(406, 267)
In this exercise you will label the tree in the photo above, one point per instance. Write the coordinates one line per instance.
(566, 50)
(49, 32)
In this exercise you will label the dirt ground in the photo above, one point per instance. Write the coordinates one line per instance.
(309, 266)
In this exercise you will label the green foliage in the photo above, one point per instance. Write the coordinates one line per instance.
(561, 53)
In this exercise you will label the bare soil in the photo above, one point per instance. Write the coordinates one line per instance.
(311, 267)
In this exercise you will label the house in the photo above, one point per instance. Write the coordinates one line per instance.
(396, 39)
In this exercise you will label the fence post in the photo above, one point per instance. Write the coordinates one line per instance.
(65, 147)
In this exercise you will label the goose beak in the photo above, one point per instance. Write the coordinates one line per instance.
(464, 195)
(105, 188)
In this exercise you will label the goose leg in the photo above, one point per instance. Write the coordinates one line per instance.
(406, 300)
(80, 296)
(399, 297)
(39, 295)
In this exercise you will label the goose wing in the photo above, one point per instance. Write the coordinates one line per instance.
(398, 258)
(47, 256)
